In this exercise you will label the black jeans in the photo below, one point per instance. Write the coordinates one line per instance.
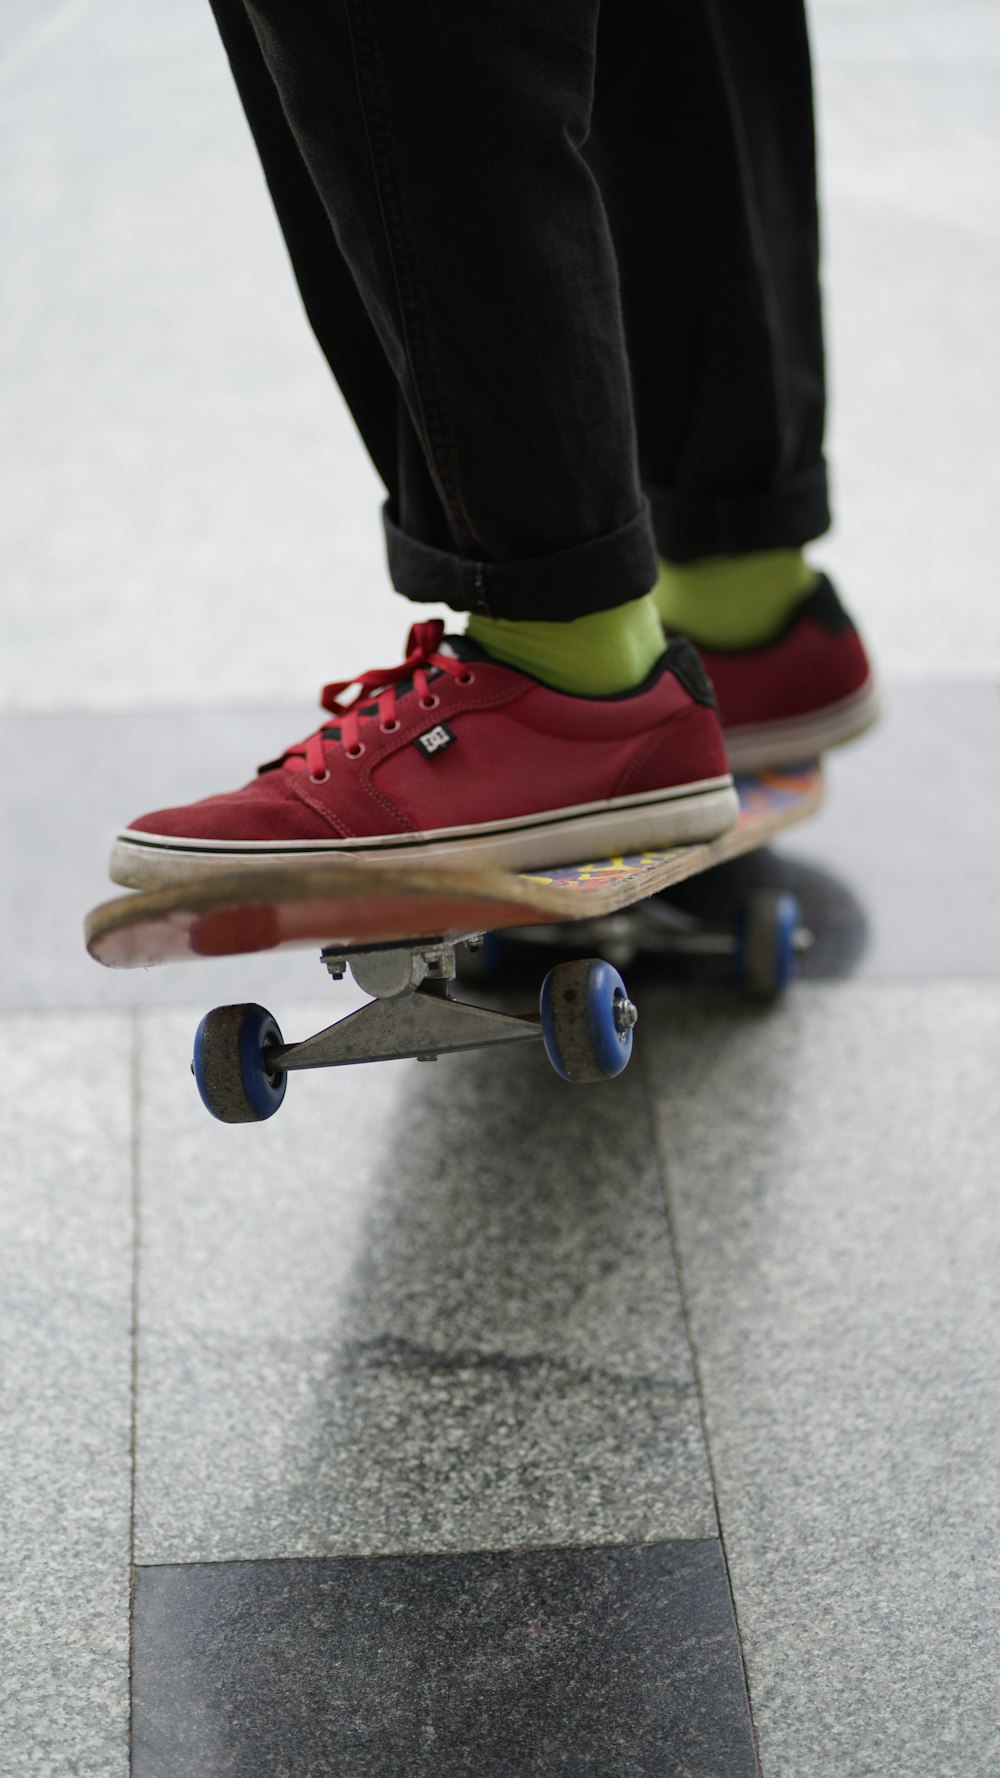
(561, 257)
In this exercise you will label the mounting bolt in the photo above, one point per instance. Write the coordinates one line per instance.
(626, 1016)
(337, 966)
(439, 962)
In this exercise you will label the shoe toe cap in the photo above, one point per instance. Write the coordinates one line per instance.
(242, 816)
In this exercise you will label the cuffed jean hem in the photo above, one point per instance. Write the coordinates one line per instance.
(692, 525)
(568, 583)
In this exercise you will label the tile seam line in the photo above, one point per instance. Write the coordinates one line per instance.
(660, 1156)
(415, 1555)
(135, 1157)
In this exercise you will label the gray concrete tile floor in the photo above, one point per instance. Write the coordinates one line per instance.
(66, 1303)
(829, 1171)
(831, 1174)
(819, 1281)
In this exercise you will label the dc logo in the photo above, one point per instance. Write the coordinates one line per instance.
(435, 740)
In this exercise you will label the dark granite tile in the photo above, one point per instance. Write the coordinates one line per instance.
(588, 1662)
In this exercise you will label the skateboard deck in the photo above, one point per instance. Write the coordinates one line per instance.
(347, 904)
(398, 929)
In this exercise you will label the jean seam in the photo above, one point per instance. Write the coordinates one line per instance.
(420, 571)
(771, 311)
(405, 269)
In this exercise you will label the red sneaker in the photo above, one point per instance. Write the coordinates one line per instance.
(453, 758)
(790, 699)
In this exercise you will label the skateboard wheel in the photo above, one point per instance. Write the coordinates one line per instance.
(764, 954)
(587, 1020)
(230, 1064)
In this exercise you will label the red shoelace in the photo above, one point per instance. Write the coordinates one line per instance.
(422, 644)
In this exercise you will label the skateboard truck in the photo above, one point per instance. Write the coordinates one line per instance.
(411, 1012)
(585, 1021)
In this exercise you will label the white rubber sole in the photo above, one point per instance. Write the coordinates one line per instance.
(649, 823)
(766, 746)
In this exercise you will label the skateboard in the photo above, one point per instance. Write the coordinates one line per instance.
(398, 929)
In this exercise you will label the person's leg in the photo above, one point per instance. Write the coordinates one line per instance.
(444, 145)
(329, 293)
(706, 155)
(466, 488)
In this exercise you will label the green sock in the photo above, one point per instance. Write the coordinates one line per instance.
(733, 601)
(595, 656)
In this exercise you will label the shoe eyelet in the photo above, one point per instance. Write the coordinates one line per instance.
(389, 728)
(355, 752)
(467, 679)
(430, 703)
(319, 777)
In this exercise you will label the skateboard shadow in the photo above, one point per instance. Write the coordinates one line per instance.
(830, 912)
(503, 1360)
